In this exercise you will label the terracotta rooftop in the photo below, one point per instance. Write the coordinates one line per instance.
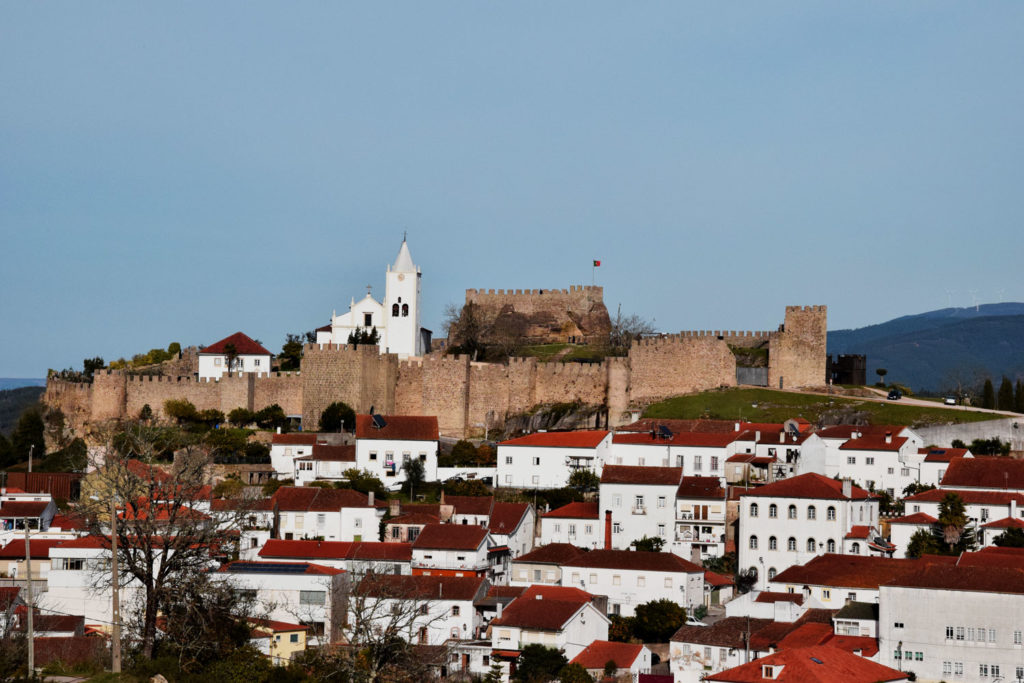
(714, 579)
(1006, 523)
(977, 578)
(276, 626)
(38, 549)
(398, 428)
(700, 487)
(807, 635)
(985, 473)
(552, 553)
(244, 346)
(993, 556)
(297, 439)
(809, 485)
(642, 476)
(470, 505)
(415, 518)
(578, 439)
(874, 443)
(846, 432)
(243, 567)
(727, 632)
(544, 608)
(450, 537)
(942, 454)
(316, 499)
(506, 517)
(575, 511)
(704, 439)
(776, 631)
(969, 496)
(276, 548)
(774, 596)
(916, 518)
(10, 509)
(858, 531)
(420, 587)
(818, 664)
(867, 646)
(600, 652)
(325, 453)
(852, 571)
(635, 560)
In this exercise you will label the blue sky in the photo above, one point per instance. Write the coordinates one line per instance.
(182, 171)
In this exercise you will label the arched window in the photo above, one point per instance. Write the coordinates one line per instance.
(771, 573)
(791, 544)
(405, 310)
(753, 542)
(855, 548)
(773, 510)
(831, 513)
(792, 511)
(773, 543)
(394, 310)
(812, 512)
(753, 509)
(811, 545)
(831, 546)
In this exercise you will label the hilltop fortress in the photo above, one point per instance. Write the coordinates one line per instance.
(467, 395)
(540, 316)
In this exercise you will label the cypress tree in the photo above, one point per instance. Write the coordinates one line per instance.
(1018, 401)
(988, 395)
(1005, 394)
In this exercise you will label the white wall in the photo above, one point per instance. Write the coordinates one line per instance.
(212, 366)
(545, 467)
(584, 533)
(628, 588)
(656, 517)
(373, 455)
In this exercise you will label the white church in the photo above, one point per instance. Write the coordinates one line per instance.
(396, 319)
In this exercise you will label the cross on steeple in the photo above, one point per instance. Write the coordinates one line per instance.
(369, 289)
(404, 234)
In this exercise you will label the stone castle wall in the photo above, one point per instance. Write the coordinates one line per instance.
(530, 301)
(461, 393)
(540, 315)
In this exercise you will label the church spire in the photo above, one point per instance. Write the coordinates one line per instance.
(403, 264)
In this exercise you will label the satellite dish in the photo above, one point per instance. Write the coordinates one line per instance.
(664, 432)
(379, 422)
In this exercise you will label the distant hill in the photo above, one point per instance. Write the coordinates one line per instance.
(933, 351)
(18, 382)
(13, 402)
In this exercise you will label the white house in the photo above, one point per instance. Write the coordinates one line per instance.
(701, 454)
(631, 578)
(954, 623)
(303, 591)
(884, 462)
(234, 354)
(985, 474)
(545, 460)
(384, 443)
(989, 514)
(425, 610)
(575, 523)
(325, 463)
(834, 437)
(700, 518)
(629, 658)
(284, 448)
(396, 319)
(451, 550)
(936, 462)
(553, 616)
(511, 525)
(815, 664)
(543, 565)
(355, 558)
(642, 502)
(790, 521)
(325, 514)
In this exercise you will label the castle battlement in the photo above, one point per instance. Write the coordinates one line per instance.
(806, 309)
(477, 295)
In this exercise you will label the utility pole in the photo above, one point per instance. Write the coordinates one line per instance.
(115, 644)
(30, 449)
(31, 604)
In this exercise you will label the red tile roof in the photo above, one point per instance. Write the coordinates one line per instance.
(773, 438)
(325, 453)
(714, 579)
(451, 537)
(38, 549)
(22, 509)
(580, 439)
(941, 454)
(727, 632)
(969, 496)
(852, 571)
(246, 567)
(600, 652)
(849, 431)
(809, 485)
(867, 645)
(316, 499)
(575, 511)
(398, 428)
(470, 505)
(1006, 523)
(244, 346)
(775, 596)
(819, 664)
(874, 443)
(68, 522)
(506, 517)
(635, 560)
(552, 553)
(858, 531)
(916, 518)
(336, 550)
(985, 473)
(414, 518)
(642, 476)
(299, 439)
(276, 626)
(976, 578)
(700, 487)
(807, 635)
(84, 542)
(696, 439)
(420, 587)
(544, 608)
(993, 556)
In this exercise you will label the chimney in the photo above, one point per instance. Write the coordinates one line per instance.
(500, 605)
(888, 437)
(782, 437)
(757, 435)
(394, 507)
(847, 488)
(737, 428)
(1013, 508)
(370, 498)
(442, 495)
(607, 529)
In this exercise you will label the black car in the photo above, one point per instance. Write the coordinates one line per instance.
(895, 395)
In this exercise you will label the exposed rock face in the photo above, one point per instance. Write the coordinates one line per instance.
(539, 316)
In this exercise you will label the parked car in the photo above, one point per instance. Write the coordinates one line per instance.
(949, 400)
(895, 395)
(694, 621)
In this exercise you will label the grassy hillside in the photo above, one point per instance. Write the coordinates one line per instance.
(765, 405)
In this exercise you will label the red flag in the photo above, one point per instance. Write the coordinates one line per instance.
(597, 263)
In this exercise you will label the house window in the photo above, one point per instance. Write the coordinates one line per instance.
(826, 594)
(679, 461)
(851, 460)
(1017, 637)
(218, 361)
(773, 511)
(396, 532)
(293, 638)
(405, 310)
(312, 597)
(771, 573)
(588, 529)
(958, 668)
(661, 529)
(455, 610)
(984, 514)
(792, 511)
(983, 670)
(960, 633)
(321, 520)
(593, 579)
(889, 470)
(616, 580)
(508, 478)
(855, 548)
(696, 463)
(414, 532)
(773, 543)
(536, 575)
(394, 310)
(536, 460)
(616, 528)
(661, 501)
(536, 479)
(373, 455)
(753, 542)
(617, 499)
(668, 582)
(811, 545)
(830, 514)
(949, 633)
(904, 471)
(714, 462)
(869, 461)
(641, 582)
(947, 668)
(753, 509)
(812, 512)
(791, 544)
(572, 529)
(367, 319)
(831, 546)
(639, 502)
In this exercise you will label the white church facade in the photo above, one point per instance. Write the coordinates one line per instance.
(396, 319)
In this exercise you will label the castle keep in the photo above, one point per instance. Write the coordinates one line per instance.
(540, 316)
(465, 395)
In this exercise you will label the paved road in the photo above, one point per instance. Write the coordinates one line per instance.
(906, 400)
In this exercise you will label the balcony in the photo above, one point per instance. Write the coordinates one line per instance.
(640, 510)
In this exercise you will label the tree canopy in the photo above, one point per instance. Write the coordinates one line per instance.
(338, 416)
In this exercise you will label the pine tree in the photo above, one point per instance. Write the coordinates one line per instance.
(1005, 394)
(1018, 400)
(988, 395)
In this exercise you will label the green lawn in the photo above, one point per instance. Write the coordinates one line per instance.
(547, 352)
(765, 405)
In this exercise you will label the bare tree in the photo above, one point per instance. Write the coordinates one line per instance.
(626, 329)
(164, 539)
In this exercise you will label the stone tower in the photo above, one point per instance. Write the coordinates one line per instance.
(402, 306)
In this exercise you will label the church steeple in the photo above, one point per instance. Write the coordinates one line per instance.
(403, 263)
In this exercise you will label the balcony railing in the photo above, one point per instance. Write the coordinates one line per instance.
(639, 510)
